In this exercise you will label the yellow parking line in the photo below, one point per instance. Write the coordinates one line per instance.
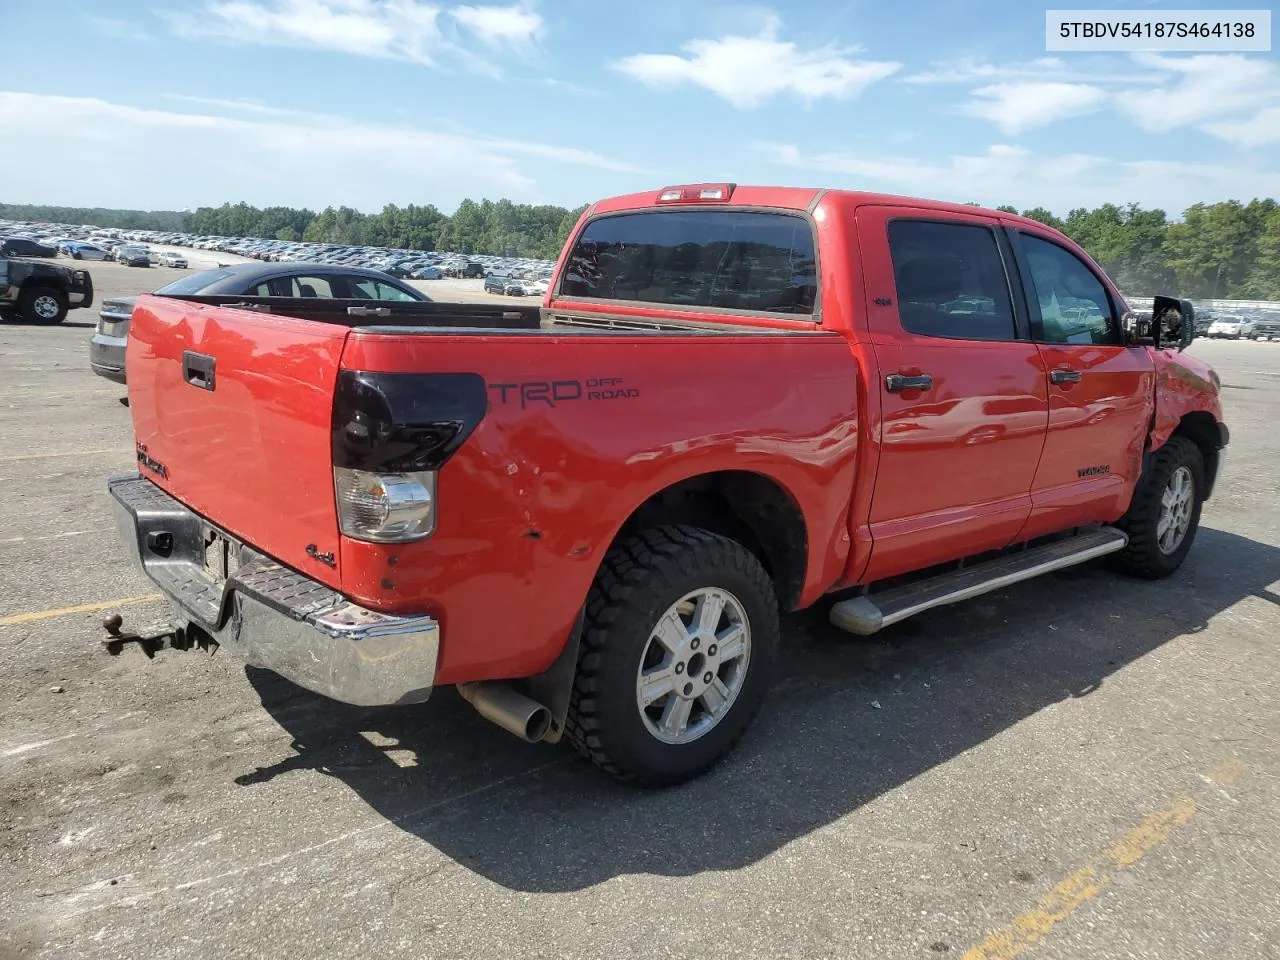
(1082, 885)
(69, 453)
(83, 608)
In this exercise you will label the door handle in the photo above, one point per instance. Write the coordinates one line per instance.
(897, 382)
(197, 369)
(1063, 375)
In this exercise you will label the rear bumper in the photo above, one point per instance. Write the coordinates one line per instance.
(271, 616)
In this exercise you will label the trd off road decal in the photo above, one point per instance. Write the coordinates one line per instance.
(554, 392)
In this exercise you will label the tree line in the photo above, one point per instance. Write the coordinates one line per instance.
(502, 227)
(1225, 250)
(166, 220)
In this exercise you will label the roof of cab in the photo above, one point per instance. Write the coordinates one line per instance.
(799, 198)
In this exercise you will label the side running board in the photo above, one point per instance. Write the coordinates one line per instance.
(868, 614)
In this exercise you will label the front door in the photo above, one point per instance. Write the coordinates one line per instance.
(963, 388)
(1100, 392)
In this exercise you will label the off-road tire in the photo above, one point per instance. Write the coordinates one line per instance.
(1143, 556)
(642, 577)
(34, 296)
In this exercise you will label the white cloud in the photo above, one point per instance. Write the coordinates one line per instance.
(746, 71)
(240, 106)
(387, 29)
(1015, 107)
(166, 158)
(1049, 69)
(1016, 175)
(1254, 131)
(515, 25)
(1205, 88)
(400, 29)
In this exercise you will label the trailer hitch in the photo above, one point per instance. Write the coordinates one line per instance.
(152, 642)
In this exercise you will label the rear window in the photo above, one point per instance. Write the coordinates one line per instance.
(193, 284)
(734, 260)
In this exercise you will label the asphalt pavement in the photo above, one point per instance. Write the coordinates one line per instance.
(1080, 766)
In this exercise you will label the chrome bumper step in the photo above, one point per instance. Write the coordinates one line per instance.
(873, 612)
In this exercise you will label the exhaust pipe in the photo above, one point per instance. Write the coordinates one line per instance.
(508, 708)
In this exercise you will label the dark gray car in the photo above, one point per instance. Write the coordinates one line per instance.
(106, 348)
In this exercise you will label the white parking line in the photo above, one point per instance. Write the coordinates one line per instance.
(27, 747)
(123, 451)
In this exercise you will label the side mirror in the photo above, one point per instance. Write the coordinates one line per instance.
(1173, 322)
(1137, 332)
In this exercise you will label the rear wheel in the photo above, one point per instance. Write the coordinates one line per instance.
(681, 627)
(44, 305)
(1165, 513)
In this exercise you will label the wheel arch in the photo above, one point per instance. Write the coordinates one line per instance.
(752, 508)
(1203, 429)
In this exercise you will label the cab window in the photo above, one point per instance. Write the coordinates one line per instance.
(951, 280)
(1073, 305)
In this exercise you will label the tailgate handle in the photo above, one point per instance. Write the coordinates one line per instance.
(368, 311)
(197, 369)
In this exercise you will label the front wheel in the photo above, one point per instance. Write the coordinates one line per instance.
(680, 632)
(1165, 512)
(43, 305)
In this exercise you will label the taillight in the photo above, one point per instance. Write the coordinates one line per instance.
(392, 433)
(385, 507)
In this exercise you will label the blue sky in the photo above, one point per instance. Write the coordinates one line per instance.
(177, 104)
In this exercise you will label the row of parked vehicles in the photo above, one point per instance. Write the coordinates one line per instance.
(1253, 326)
(400, 263)
(130, 253)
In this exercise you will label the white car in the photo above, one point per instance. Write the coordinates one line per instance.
(1232, 328)
(171, 258)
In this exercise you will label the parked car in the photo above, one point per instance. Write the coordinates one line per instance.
(42, 293)
(107, 345)
(171, 258)
(80, 250)
(1231, 327)
(24, 247)
(496, 284)
(1266, 327)
(133, 256)
(608, 528)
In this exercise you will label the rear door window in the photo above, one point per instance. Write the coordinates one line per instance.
(732, 260)
(951, 280)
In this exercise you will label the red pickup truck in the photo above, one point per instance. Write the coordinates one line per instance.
(733, 401)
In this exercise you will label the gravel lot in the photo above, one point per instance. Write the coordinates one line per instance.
(1082, 766)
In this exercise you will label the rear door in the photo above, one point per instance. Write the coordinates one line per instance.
(963, 388)
(232, 415)
(1101, 393)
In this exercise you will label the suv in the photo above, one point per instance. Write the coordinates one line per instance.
(41, 292)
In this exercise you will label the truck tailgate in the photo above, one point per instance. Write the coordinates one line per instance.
(232, 416)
